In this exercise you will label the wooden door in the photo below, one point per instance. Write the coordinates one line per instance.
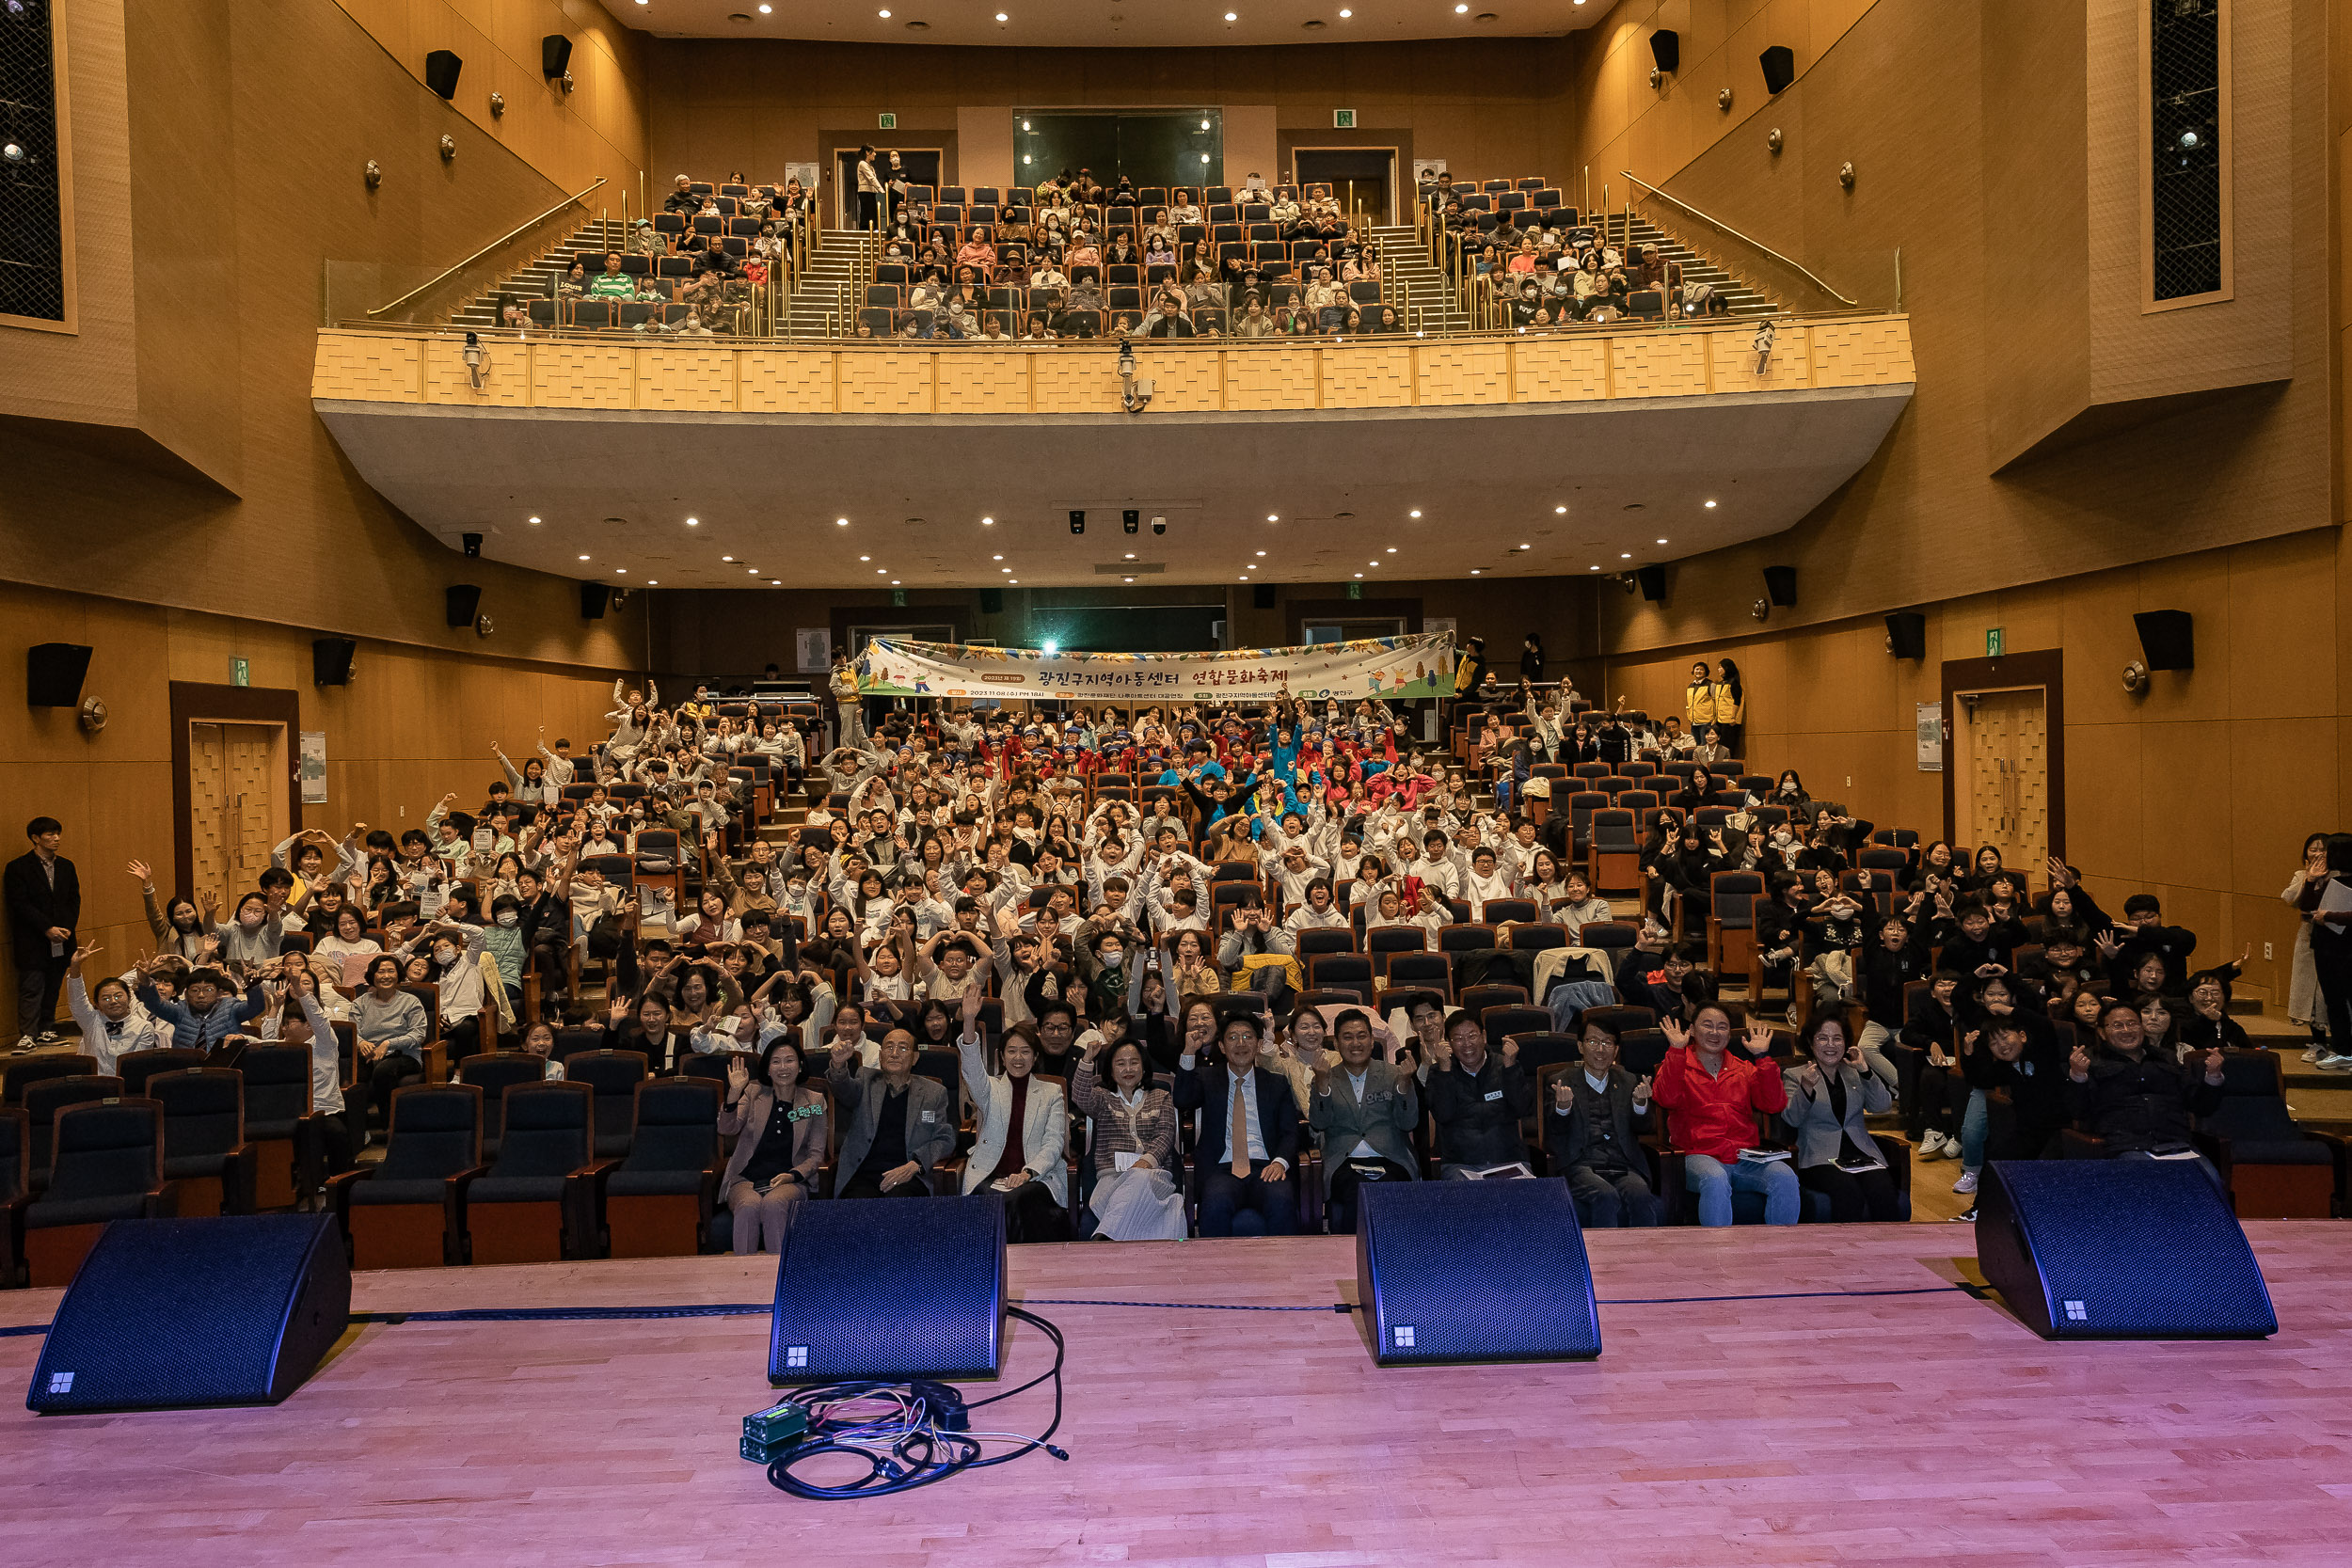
(235, 812)
(2000, 742)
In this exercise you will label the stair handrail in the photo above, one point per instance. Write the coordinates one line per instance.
(1708, 217)
(513, 233)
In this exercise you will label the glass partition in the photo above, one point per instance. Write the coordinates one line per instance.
(1161, 148)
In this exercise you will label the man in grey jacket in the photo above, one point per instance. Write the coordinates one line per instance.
(1362, 1114)
(896, 1127)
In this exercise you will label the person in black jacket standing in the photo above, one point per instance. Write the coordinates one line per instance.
(44, 900)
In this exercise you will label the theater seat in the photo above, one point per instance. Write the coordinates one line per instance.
(109, 1166)
(16, 1184)
(205, 1151)
(281, 1127)
(537, 1203)
(659, 1201)
(400, 1213)
(2273, 1169)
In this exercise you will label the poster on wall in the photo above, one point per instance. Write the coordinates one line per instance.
(805, 173)
(313, 749)
(814, 645)
(1930, 737)
(1392, 668)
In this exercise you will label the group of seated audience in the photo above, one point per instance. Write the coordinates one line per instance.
(1002, 940)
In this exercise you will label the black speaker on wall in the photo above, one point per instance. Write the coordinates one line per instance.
(1653, 581)
(2165, 639)
(1474, 1270)
(1907, 634)
(231, 1310)
(594, 596)
(1261, 595)
(464, 599)
(1780, 585)
(330, 660)
(2119, 1250)
(891, 1291)
(1665, 48)
(555, 56)
(991, 601)
(1780, 66)
(53, 674)
(440, 72)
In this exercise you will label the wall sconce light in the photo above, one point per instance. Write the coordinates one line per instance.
(449, 148)
(1722, 100)
(567, 81)
(372, 174)
(498, 105)
(1772, 140)
(1845, 176)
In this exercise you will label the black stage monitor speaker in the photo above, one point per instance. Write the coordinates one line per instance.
(594, 596)
(890, 1291)
(2165, 638)
(464, 599)
(1474, 1270)
(53, 674)
(555, 56)
(330, 660)
(1907, 634)
(234, 1310)
(1261, 595)
(440, 72)
(1653, 581)
(2119, 1250)
(1780, 585)
(1665, 48)
(1780, 66)
(991, 601)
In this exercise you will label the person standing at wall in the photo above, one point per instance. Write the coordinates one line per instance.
(869, 190)
(1731, 707)
(1698, 699)
(44, 902)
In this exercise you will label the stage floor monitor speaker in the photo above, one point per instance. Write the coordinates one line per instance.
(2119, 1250)
(231, 1310)
(890, 1291)
(1474, 1271)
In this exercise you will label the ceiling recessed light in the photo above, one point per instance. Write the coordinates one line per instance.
(1662, 541)
(866, 558)
(1360, 574)
(1592, 568)
(881, 571)
(884, 15)
(1458, 10)
(841, 522)
(1561, 510)
(722, 558)
(1625, 555)
(1002, 17)
(1232, 17)
(996, 557)
(534, 519)
(754, 570)
(1345, 13)
(1371, 564)
(1245, 579)
(1391, 549)
(766, 10)
(1126, 580)
(693, 522)
(985, 521)
(1131, 555)
(1262, 552)
(1272, 517)
(1710, 506)
(584, 558)
(1016, 582)
(653, 582)
(1415, 512)
(1005, 570)
(894, 582)
(621, 571)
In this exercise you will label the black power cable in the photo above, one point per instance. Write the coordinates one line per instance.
(908, 1435)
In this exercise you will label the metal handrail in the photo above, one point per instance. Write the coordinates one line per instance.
(486, 250)
(1708, 217)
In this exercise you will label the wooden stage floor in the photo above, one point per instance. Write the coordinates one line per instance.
(1931, 1430)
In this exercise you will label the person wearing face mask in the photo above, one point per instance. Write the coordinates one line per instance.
(455, 950)
(778, 1125)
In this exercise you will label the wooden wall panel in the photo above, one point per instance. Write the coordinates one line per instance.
(412, 724)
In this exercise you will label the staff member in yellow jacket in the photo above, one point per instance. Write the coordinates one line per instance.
(1698, 698)
(1731, 707)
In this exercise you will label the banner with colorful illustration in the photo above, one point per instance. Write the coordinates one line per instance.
(1388, 667)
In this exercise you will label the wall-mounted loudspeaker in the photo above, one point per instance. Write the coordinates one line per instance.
(594, 596)
(465, 598)
(555, 56)
(1780, 66)
(991, 601)
(1261, 595)
(1653, 581)
(330, 660)
(1666, 47)
(1780, 585)
(440, 72)
(2164, 637)
(1907, 634)
(53, 674)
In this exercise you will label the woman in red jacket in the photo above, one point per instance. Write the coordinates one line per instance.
(1710, 1094)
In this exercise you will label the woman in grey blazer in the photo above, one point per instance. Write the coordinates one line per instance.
(895, 1127)
(1021, 1145)
(1828, 1096)
(1362, 1114)
(778, 1125)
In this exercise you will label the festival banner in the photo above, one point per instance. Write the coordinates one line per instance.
(1389, 668)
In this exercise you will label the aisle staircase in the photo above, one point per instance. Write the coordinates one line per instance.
(1408, 262)
(1629, 231)
(537, 279)
(833, 282)
(1415, 286)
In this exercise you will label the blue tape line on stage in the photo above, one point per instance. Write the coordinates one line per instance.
(1192, 1305)
(566, 1314)
(23, 1329)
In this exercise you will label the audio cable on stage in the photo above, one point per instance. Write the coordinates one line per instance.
(908, 1435)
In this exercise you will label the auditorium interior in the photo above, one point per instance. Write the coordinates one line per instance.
(1482, 679)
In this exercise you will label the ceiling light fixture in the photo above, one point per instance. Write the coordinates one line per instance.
(1561, 510)
(1272, 519)
(1710, 506)
(866, 558)
(1473, 571)
(1415, 512)
(653, 582)
(1345, 13)
(584, 558)
(841, 522)
(753, 570)
(996, 557)
(1360, 574)
(1232, 17)
(1006, 569)
(894, 582)
(1016, 582)
(722, 558)
(1131, 555)
(985, 521)
(766, 10)
(1662, 541)
(620, 571)
(1458, 10)
(534, 519)
(1391, 549)
(690, 522)
(1262, 552)
(884, 15)
(1625, 555)
(881, 571)
(1002, 17)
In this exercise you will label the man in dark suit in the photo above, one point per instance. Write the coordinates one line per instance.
(1362, 1114)
(1248, 1137)
(1593, 1133)
(44, 901)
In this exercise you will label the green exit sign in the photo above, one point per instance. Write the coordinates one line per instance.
(1994, 642)
(238, 673)
(1343, 120)
(898, 598)
(1355, 589)
(887, 122)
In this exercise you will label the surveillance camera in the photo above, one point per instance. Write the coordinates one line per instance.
(1159, 524)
